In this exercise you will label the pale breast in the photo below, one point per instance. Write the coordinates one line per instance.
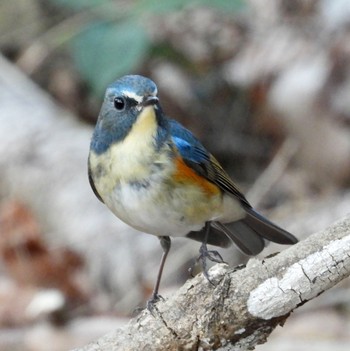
(151, 189)
(161, 207)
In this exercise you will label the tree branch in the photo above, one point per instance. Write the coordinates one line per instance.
(245, 305)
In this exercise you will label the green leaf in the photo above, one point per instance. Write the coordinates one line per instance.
(159, 7)
(225, 5)
(105, 51)
(80, 4)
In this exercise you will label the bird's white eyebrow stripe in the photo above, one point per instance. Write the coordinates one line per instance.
(133, 96)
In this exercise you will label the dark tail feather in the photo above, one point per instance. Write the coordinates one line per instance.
(244, 237)
(267, 229)
(238, 233)
(216, 237)
(247, 234)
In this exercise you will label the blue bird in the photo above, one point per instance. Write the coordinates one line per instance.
(154, 175)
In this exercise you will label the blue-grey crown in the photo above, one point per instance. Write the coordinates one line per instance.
(134, 86)
(113, 125)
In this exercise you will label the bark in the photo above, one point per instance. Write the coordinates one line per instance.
(244, 305)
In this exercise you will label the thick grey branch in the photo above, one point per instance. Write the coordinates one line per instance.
(245, 305)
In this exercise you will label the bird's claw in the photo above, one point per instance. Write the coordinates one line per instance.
(205, 254)
(152, 301)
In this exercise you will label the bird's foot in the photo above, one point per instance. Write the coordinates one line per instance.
(150, 305)
(205, 254)
(211, 255)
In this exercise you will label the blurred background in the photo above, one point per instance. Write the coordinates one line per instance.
(265, 85)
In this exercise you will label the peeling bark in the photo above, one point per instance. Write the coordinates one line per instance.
(245, 304)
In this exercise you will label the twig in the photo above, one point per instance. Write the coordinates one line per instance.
(273, 172)
(37, 52)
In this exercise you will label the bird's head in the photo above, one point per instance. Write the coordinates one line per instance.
(127, 101)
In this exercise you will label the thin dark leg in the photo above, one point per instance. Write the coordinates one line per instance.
(165, 242)
(205, 254)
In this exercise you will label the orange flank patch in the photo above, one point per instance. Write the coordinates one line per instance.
(186, 174)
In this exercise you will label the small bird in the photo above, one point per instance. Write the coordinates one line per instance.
(154, 175)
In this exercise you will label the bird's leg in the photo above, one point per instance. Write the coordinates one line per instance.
(165, 242)
(205, 254)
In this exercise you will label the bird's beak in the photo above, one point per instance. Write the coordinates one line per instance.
(149, 100)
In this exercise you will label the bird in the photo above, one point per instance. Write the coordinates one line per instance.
(158, 178)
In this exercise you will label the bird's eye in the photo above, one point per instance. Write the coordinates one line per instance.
(119, 103)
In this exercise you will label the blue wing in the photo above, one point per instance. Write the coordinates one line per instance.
(247, 233)
(188, 145)
(200, 160)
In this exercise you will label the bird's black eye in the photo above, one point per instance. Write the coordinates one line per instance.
(119, 103)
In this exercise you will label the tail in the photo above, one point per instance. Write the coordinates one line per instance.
(248, 234)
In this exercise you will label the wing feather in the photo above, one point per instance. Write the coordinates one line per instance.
(201, 161)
